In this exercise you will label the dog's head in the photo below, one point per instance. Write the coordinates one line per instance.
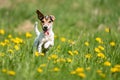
(46, 21)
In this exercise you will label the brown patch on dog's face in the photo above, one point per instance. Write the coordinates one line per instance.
(47, 22)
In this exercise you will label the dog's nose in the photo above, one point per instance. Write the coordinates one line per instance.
(45, 27)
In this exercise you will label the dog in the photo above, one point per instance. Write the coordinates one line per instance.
(44, 39)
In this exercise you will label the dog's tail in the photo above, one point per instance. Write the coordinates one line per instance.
(36, 28)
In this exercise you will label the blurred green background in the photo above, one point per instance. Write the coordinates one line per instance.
(72, 16)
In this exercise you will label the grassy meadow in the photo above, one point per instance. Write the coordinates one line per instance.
(87, 40)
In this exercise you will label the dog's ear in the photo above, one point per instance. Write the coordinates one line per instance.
(52, 17)
(40, 15)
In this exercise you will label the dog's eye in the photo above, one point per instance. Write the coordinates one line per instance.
(49, 21)
(42, 21)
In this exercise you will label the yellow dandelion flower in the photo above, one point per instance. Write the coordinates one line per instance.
(88, 56)
(79, 69)
(107, 63)
(71, 53)
(69, 60)
(41, 54)
(117, 66)
(6, 41)
(17, 40)
(28, 35)
(10, 36)
(39, 70)
(2, 44)
(13, 40)
(114, 69)
(112, 43)
(63, 39)
(49, 58)
(82, 75)
(62, 60)
(86, 43)
(54, 56)
(101, 47)
(99, 71)
(58, 60)
(107, 30)
(101, 55)
(10, 51)
(4, 70)
(12, 73)
(58, 48)
(73, 72)
(56, 69)
(97, 50)
(37, 54)
(43, 65)
(99, 40)
(2, 31)
(75, 52)
(16, 47)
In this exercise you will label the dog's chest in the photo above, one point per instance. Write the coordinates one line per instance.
(46, 38)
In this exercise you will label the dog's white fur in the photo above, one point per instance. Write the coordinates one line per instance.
(42, 39)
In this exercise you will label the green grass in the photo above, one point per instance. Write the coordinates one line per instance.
(78, 21)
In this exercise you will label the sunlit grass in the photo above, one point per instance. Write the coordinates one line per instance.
(86, 41)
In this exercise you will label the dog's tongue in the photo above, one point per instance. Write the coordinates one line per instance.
(46, 33)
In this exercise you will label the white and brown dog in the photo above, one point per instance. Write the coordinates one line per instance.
(44, 39)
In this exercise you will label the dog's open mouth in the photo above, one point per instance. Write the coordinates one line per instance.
(46, 31)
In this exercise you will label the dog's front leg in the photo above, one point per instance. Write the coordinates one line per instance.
(48, 44)
(40, 47)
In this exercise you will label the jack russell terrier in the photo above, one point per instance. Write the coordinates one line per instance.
(44, 39)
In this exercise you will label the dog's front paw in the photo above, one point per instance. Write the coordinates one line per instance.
(46, 46)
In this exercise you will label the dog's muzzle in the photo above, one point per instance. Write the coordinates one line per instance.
(45, 28)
